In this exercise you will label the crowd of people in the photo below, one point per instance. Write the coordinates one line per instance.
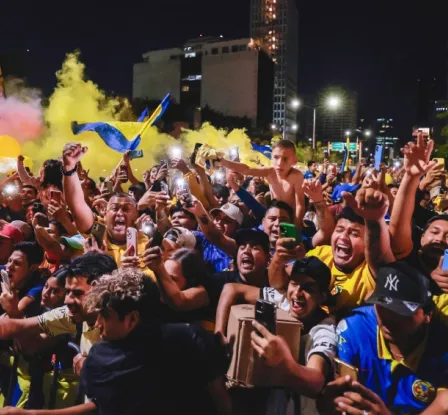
(116, 293)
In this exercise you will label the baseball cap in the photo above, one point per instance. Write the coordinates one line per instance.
(182, 237)
(401, 289)
(232, 211)
(313, 267)
(75, 241)
(253, 236)
(11, 232)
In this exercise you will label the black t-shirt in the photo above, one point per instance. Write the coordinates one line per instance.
(216, 282)
(157, 370)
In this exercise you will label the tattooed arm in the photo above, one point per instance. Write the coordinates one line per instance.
(211, 232)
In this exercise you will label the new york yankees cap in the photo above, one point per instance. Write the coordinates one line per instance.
(402, 289)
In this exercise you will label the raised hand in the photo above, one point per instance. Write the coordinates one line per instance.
(370, 204)
(417, 157)
(313, 189)
(72, 154)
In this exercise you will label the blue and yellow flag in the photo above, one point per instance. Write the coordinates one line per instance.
(121, 135)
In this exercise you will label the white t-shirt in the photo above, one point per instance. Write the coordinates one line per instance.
(321, 339)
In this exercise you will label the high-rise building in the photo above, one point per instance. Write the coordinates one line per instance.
(233, 77)
(275, 23)
(333, 123)
(384, 133)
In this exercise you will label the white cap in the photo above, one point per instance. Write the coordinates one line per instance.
(232, 211)
(182, 237)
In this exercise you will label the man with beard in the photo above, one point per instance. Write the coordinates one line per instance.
(64, 320)
(401, 356)
(427, 252)
(359, 243)
(121, 213)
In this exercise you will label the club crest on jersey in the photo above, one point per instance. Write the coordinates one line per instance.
(423, 391)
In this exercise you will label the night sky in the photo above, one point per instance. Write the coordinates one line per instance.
(377, 48)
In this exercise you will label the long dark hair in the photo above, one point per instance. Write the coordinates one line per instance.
(52, 174)
(192, 265)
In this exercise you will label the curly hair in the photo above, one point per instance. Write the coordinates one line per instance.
(124, 291)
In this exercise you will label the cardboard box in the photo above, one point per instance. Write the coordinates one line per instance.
(246, 367)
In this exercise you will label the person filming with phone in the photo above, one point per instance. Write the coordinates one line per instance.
(402, 362)
(121, 215)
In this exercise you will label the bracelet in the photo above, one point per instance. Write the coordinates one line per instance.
(69, 172)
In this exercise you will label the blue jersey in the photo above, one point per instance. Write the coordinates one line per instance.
(406, 387)
(215, 259)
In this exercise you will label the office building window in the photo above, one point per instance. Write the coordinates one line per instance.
(235, 48)
(185, 88)
(242, 48)
(225, 49)
(215, 51)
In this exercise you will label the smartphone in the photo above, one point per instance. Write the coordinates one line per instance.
(441, 162)
(131, 239)
(38, 208)
(234, 154)
(56, 195)
(183, 188)
(197, 146)
(43, 221)
(123, 173)
(157, 239)
(5, 280)
(343, 369)
(266, 314)
(149, 228)
(164, 187)
(98, 232)
(135, 154)
(109, 186)
(445, 261)
(289, 230)
(378, 157)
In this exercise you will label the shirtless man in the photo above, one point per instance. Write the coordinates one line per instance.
(285, 182)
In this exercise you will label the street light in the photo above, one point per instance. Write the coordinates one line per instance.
(294, 127)
(295, 103)
(274, 127)
(367, 133)
(333, 102)
(347, 133)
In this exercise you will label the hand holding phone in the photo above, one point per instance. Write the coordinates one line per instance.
(135, 154)
(131, 240)
(56, 195)
(6, 283)
(342, 369)
(289, 230)
(266, 314)
(445, 261)
(98, 232)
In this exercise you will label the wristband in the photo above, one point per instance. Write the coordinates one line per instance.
(69, 172)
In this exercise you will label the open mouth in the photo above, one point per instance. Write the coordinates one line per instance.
(247, 261)
(343, 251)
(298, 306)
(119, 224)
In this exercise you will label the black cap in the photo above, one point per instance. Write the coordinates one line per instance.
(313, 267)
(252, 236)
(402, 289)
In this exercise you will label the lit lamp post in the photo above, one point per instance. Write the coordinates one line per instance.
(294, 104)
(333, 102)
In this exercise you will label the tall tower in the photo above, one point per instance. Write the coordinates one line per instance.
(275, 23)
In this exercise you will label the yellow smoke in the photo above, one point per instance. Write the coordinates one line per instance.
(77, 99)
